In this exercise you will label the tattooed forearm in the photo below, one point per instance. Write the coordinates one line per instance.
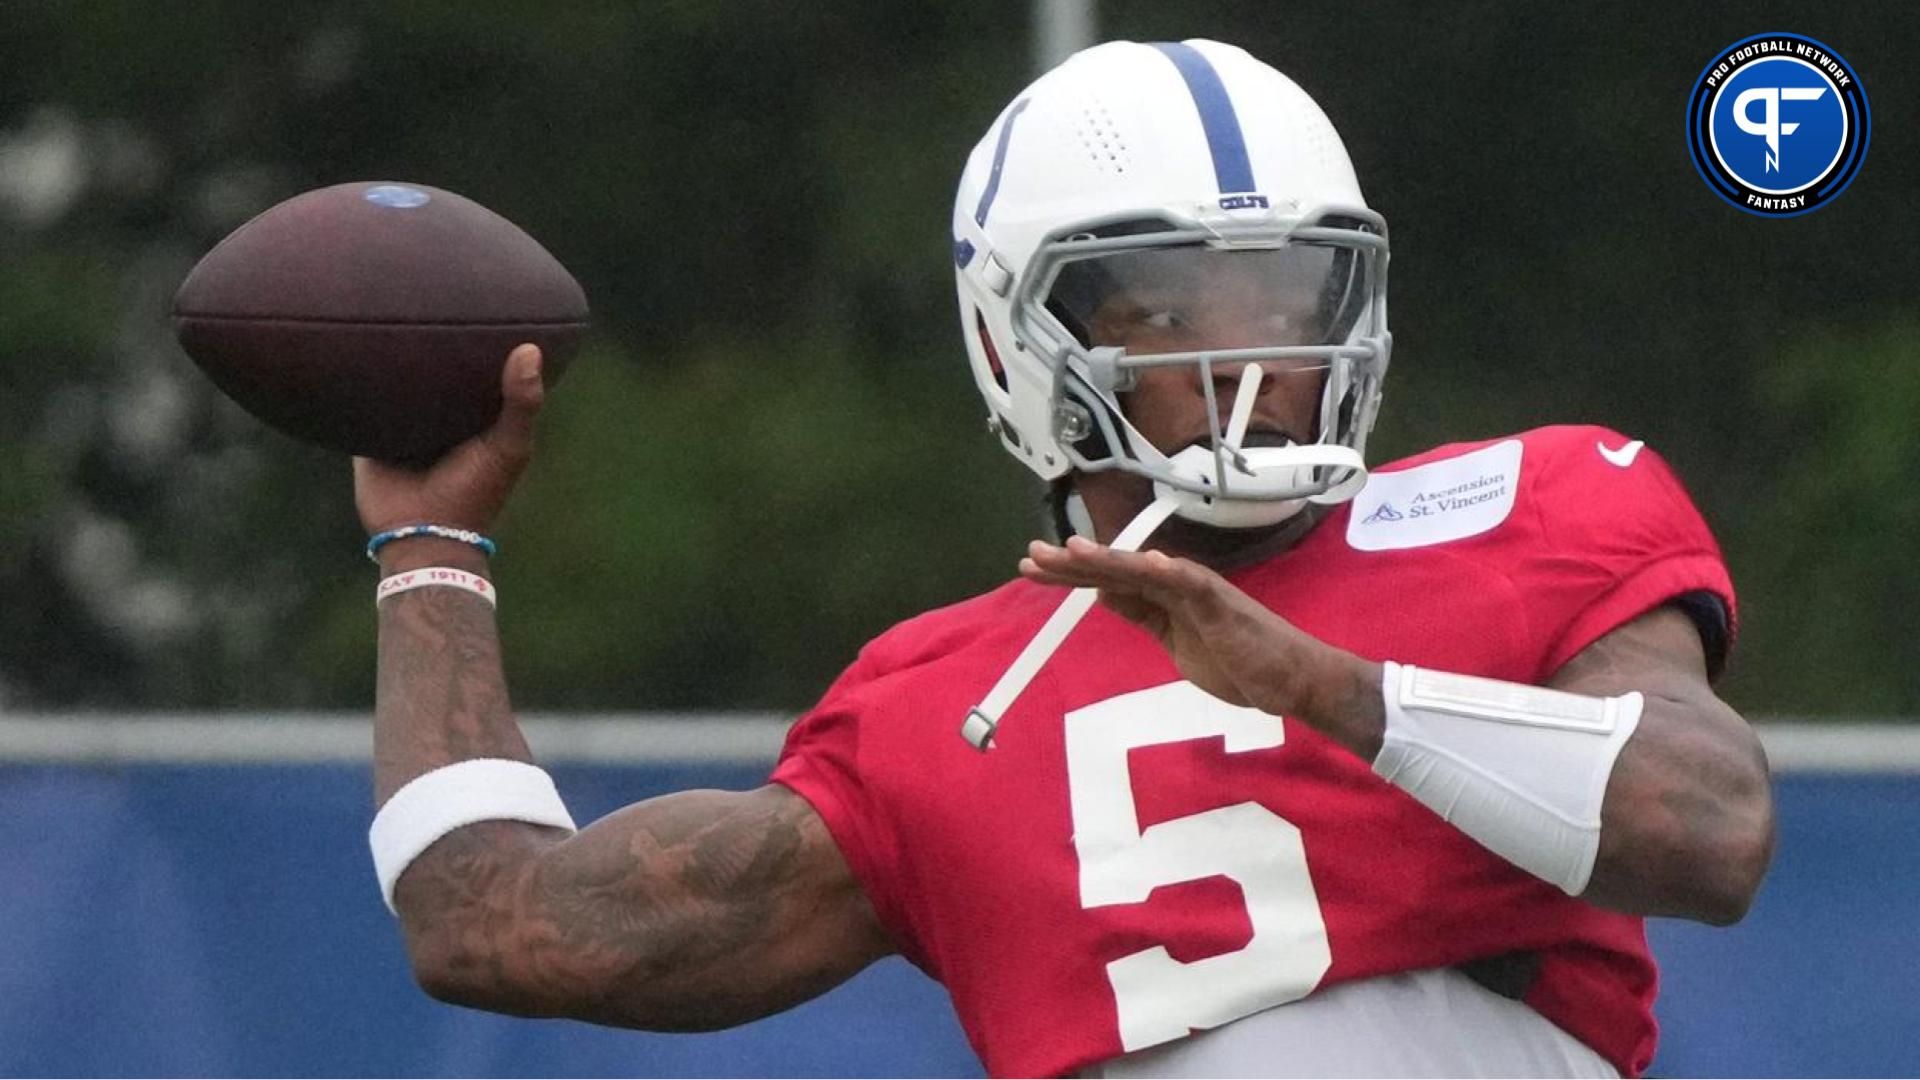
(440, 696)
(1687, 827)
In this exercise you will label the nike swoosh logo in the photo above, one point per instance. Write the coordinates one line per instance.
(1622, 457)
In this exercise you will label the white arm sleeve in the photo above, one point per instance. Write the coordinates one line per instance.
(1521, 769)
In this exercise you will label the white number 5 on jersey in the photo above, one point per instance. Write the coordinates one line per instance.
(1160, 998)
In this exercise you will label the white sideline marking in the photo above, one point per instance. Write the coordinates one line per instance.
(1794, 745)
(311, 738)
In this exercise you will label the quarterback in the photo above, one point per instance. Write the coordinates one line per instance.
(1279, 764)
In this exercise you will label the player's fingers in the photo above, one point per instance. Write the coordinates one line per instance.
(1035, 573)
(520, 382)
(1125, 599)
(1061, 566)
(1049, 564)
(368, 470)
(1159, 575)
(521, 394)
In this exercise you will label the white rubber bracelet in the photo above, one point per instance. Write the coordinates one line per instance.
(443, 576)
(434, 804)
(1522, 769)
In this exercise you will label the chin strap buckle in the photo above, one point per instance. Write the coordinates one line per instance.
(978, 730)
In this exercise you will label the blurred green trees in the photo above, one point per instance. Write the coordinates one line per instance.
(1829, 554)
(770, 449)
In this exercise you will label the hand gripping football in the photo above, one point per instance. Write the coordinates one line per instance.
(373, 318)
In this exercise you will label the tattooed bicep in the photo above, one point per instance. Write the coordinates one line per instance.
(691, 911)
(703, 847)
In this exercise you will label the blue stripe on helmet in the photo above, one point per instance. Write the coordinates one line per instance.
(1229, 148)
(999, 163)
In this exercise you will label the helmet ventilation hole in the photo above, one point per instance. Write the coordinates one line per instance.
(986, 344)
(1100, 137)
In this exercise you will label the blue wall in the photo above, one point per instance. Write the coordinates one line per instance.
(223, 920)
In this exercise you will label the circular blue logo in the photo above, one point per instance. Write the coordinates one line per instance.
(1777, 124)
(397, 196)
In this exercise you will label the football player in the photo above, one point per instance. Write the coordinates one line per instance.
(1346, 773)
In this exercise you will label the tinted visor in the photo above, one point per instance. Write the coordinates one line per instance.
(1194, 297)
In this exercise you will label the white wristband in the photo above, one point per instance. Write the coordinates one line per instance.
(434, 804)
(445, 576)
(1521, 769)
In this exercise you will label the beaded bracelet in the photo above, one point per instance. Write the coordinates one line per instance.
(445, 532)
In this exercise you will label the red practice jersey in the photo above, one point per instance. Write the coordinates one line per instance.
(1137, 860)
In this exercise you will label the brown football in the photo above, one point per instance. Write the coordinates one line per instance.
(373, 317)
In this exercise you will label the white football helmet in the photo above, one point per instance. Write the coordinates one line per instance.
(1161, 166)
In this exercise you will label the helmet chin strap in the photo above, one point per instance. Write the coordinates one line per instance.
(984, 718)
(1250, 488)
(1253, 471)
(1253, 489)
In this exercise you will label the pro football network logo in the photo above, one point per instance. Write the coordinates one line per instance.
(1778, 124)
